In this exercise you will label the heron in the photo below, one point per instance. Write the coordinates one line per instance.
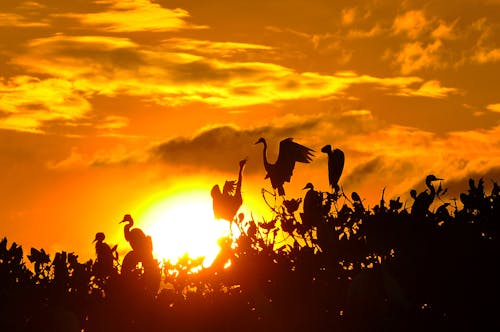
(336, 161)
(138, 240)
(227, 203)
(424, 200)
(312, 206)
(289, 153)
(105, 256)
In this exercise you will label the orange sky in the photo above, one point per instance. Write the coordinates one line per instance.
(105, 103)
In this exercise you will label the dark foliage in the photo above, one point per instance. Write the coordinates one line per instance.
(350, 268)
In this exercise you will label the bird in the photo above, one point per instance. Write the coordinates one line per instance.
(336, 161)
(312, 206)
(289, 153)
(227, 203)
(424, 200)
(105, 257)
(139, 241)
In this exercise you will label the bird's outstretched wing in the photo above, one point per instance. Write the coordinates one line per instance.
(290, 153)
(337, 167)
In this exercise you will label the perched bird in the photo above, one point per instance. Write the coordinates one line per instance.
(227, 203)
(139, 241)
(289, 153)
(336, 160)
(312, 206)
(424, 200)
(105, 257)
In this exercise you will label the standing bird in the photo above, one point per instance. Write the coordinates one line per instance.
(227, 203)
(424, 200)
(139, 241)
(105, 256)
(335, 165)
(282, 170)
(313, 205)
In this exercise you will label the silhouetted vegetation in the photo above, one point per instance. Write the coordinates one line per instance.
(329, 264)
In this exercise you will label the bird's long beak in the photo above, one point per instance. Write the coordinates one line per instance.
(304, 187)
(439, 179)
(94, 240)
(257, 142)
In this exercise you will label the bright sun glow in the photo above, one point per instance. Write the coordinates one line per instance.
(184, 223)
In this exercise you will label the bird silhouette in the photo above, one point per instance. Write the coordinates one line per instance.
(139, 241)
(424, 200)
(289, 153)
(312, 206)
(336, 160)
(227, 203)
(105, 255)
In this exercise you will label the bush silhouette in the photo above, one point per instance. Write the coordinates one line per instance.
(347, 268)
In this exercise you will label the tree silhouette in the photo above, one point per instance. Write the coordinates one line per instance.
(319, 264)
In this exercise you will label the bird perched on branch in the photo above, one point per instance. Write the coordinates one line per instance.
(105, 255)
(424, 200)
(289, 153)
(313, 206)
(336, 160)
(139, 241)
(227, 203)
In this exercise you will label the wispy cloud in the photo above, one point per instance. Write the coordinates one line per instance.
(431, 89)
(494, 107)
(135, 15)
(15, 20)
(91, 65)
(412, 23)
(28, 102)
(486, 56)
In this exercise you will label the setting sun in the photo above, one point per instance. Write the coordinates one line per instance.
(184, 223)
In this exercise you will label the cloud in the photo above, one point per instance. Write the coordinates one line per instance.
(115, 65)
(485, 56)
(415, 56)
(445, 30)
(214, 48)
(431, 89)
(494, 107)
(370, 33)
(348, 16)
(27, 102)
(135, 15)
(15, 20)
(412, 23)
(113, 122)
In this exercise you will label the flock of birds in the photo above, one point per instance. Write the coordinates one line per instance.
(227, 202)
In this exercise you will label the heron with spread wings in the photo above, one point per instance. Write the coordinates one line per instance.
(289, 153)
(227, 202)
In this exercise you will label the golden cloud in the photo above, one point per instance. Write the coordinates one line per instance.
(111, 66)
(485, 56)
(417, 55)
(431, 89)
(494, 107)
(29, 102)
(348, 16)
(412, 23)
(135, 15)
(15, 20)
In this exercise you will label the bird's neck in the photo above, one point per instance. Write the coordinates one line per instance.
(240, 178)
(264, 154)
(128, 226)
(431, 188)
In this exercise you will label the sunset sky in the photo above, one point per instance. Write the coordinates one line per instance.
(110, 107)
